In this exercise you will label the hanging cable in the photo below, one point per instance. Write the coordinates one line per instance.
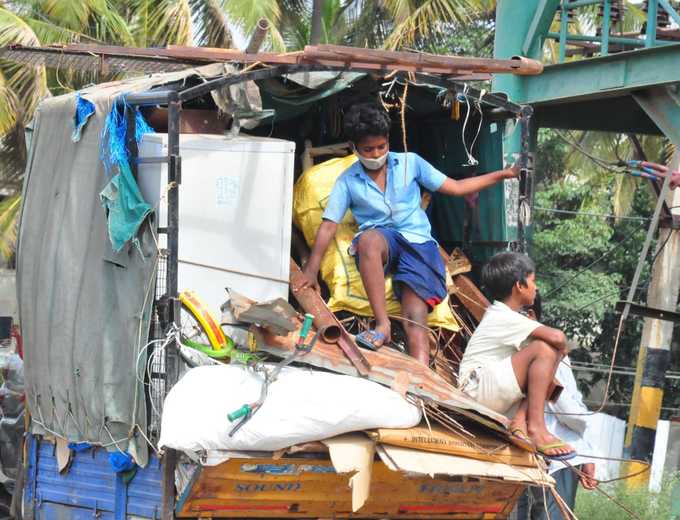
(597, 260)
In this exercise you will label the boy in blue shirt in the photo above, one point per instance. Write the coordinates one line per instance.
(383, 191)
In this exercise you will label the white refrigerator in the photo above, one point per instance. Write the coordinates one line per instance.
(235, 205)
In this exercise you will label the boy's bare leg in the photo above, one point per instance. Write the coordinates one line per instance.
(535, 367)
(520, 418)
(373, 253)
(414, 309)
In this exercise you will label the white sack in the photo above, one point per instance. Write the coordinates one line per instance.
(302, 406)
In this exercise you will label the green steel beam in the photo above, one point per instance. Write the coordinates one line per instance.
(598, 39)
(606, 20)
(670, 10)
(652, 10)
(543, 17)
(582, 3)
(662, 105)
(595, 77)
(564, 29)
(612, 114)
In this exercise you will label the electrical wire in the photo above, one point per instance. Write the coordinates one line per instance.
(587, 214)
(586, 268)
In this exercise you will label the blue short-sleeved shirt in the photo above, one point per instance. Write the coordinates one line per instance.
(398, 207)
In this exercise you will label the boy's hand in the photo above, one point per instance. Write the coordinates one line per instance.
(588, 480)
(512, 172)
(310, 280)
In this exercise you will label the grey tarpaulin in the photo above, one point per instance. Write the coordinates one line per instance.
(84, 310)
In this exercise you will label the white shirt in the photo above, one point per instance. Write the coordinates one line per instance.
(500, 334)
(572, 429)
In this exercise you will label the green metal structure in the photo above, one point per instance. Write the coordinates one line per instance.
(627, 84)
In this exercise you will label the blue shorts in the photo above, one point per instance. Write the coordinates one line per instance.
(419, 266)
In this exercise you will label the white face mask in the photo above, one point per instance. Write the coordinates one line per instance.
(372, 164)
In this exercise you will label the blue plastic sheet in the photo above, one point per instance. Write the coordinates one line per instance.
(122, 199)
(84, 110)
(121, 461)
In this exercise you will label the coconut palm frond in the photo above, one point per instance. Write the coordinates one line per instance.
(12, 158)
(9, 108)
(161, 22)
(276, 40)
(72, 14)
(422, 20)
(370, 23)
(48, 32)
(624, 193)
(211, 24)
(109, 26)
(668, 149)
(28, 82)
(9, 214)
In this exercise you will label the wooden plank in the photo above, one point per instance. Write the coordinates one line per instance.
(332, 55)
(467, 293)
(260, 488)
(519, 65)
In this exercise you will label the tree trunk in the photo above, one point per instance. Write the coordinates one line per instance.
(317, 18)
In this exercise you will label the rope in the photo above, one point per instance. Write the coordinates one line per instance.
(403, 129)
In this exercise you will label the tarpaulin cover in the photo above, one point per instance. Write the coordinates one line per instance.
(84, 309)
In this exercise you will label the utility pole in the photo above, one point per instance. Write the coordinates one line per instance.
(654, 354)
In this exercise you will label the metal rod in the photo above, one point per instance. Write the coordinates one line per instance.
(131, 138)
(152, 97)
(564, 26)
(653, 225)
(612, 39)
(526, 174)
(174, 180)
(606, 22)
(258, 36)
(581, 3)
(652, 10)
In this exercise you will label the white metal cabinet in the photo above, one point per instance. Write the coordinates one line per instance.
(234, 212)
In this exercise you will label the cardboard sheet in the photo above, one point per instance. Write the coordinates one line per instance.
(421, 462)
(480, 444)
(353, 453)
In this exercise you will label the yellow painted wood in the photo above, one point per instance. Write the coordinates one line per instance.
(250, 488)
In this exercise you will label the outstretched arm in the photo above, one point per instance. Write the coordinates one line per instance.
(324, 235)
(478, 183)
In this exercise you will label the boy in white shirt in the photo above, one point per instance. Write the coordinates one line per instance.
(511, 360)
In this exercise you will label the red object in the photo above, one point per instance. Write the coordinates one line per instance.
(19, 342)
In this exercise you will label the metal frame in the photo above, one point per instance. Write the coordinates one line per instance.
(174, 97)
(650, 35)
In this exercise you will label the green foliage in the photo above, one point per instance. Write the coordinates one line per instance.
(563, 246)
(646, 505)
(585, 262)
